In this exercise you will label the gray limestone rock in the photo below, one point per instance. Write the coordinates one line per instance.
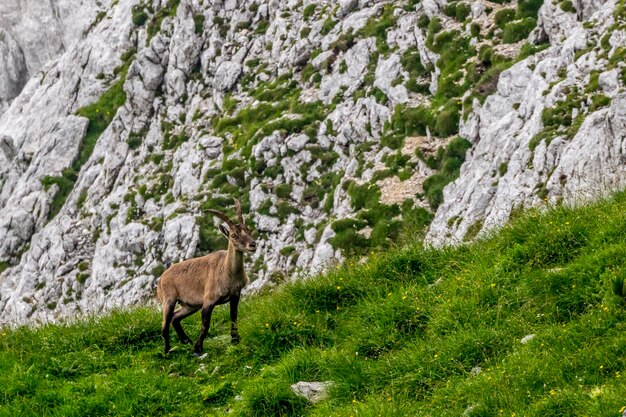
(313, 391)
(502, 137)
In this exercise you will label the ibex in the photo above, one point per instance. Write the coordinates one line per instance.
(205, 282)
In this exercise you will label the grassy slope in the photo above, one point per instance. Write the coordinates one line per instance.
(398, 335)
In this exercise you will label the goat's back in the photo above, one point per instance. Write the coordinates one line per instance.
(187, 281)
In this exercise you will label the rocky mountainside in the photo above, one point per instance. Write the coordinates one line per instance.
(553, 132)
(337, 124)
(34, 32)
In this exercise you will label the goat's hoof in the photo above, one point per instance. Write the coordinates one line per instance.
(234, 341)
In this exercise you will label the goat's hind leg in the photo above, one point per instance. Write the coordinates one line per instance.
(168, 313)
(207, 310)
(179, 315)
(234, 333)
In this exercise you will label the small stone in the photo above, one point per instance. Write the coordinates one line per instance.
(312, 391)
(468, 410)
(297, 143)
(475, 371)
(477, 9)
(527, 339)
(346, 6)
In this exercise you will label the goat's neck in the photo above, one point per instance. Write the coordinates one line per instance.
(234, 261)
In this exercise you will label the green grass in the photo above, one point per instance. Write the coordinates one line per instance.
(168, 10)
(448, 162)
(399, 335)
(377, 27)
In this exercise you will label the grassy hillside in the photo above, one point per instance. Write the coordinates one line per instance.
(399, 335)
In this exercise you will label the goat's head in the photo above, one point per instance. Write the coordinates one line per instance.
(238, 234)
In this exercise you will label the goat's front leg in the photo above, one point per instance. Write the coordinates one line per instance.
(234, 333)
(207, 310)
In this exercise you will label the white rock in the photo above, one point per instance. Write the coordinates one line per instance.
(297, 143)
(313, 391)
(346, 6)
(226, 75)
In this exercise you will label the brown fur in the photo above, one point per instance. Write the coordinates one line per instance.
(205, 282)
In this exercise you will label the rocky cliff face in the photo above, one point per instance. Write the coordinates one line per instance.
(552, 133)
(35, 32)
(335, 124)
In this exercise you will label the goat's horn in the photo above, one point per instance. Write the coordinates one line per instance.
(220, 215)
(239, 213)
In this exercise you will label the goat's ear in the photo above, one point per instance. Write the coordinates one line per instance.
(224, 230)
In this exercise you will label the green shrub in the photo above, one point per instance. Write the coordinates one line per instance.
(593, 85)
(447, 121)
(528, 8)
(198, 20)
(82, 197)
(344, 42)
(363, 196)
(262, 26)
(568, 6)
(305, 32)
(139, 16)
(418, 88)
(448, 162)
(529, 49)
(377, 27)
(475, 29)
(283, 191)
(287, 250)
(434, 26)
(328, 25)
(599, 101)
(412, 121)
(347, 236)
(503, 168)
(449, 9)
(135, 139)
(308, 11)
(488, 82)
(503, 17)
(517, 31)
(462, 12)
(423, 21)
(412, 63)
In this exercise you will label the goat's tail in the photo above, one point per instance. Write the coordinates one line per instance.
(159, 291)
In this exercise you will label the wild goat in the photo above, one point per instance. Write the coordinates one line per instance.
(205, 282)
